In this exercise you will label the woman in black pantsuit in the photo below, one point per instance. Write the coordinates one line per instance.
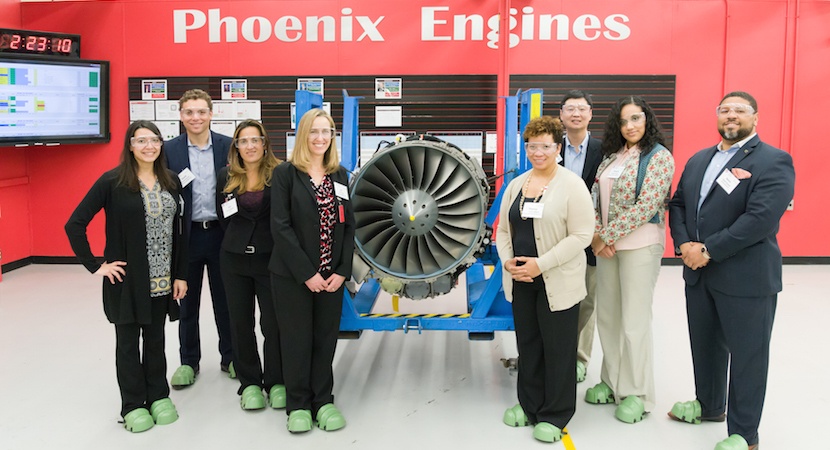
(243, 194)
(144, 270)
(313, 230)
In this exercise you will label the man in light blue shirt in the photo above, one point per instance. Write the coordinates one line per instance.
(582, 156)
(197, 155)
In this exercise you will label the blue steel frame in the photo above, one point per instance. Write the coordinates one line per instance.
(488, 309)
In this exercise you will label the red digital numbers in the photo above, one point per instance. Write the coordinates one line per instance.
(37, 43)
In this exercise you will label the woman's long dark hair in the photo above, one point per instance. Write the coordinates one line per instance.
(128, 167)
(613, 140)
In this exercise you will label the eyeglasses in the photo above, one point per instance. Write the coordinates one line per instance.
(570, 109)
(202, 112)
(325, 132)
(738, 108)
(254, 140)
(539, 147)
(144, 141)
(634, 119)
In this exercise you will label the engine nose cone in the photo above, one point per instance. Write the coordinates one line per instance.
(415, 213)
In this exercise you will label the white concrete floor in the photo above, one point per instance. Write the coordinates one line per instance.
(403, 391)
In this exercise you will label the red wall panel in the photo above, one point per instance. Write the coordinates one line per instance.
(712, 46)
(10, 14)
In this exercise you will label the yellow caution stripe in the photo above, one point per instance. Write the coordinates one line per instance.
(415, 316)
(566, 439)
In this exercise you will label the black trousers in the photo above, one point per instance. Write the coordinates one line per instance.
(142, 375)
(204, 252)
(730, 333)
(246, 277)
(547, 344)
(309, 325)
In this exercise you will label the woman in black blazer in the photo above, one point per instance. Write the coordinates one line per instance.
(144, 268)
(313, 229)
(243, 195)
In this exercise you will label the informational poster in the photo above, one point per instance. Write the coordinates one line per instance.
(142, 110)
(326, 108)
(314, 85)
(248, 109)
(388, 116)
(491, 140)
(154, 89)
(234, 89)
(388, 88)
(225, 127)
(167, 110)
(224, 110)
(168, 128)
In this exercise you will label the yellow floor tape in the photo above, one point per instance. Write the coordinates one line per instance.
(566, 439)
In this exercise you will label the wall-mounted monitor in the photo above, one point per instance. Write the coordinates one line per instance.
(53, 101)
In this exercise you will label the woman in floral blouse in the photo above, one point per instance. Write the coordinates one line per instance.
(313, 230)
(630, 193)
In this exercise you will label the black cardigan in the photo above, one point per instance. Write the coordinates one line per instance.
(295, 226)
(244, 228)
(126, 240)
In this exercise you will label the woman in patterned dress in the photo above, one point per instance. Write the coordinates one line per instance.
(313, 230)
(144, 269)
(630, 194)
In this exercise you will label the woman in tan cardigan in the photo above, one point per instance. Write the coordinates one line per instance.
(545, 222)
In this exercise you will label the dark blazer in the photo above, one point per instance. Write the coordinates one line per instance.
(295, 226)
(245, 227)
(738, 229)
(175, 151)
(593, 156)
(126, 240)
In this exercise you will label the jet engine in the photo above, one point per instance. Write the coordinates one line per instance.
(419, 207)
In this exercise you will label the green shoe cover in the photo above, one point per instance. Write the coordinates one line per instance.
(277, 396)
(734, 442)
(252, 398)
(631, 409)
(581, 371)
(138, 420)
(515, 417)
(689, 412)
(299, 421)
(329, 418)
(183, 376)
(231, 371)
(164, 412)
(546, 432)
(598, 394)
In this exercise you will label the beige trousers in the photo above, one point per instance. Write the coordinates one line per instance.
(587, 317)
(625, 292)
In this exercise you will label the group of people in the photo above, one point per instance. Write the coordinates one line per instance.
(277, 235)
(581, 238)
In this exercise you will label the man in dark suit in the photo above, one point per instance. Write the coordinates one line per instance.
(197, 156)
(724, 219)
(581, 154)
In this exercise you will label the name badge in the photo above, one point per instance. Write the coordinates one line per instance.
(341, 191)
(728, 181)
(230, 208)
(186, 176)
(616, 172)
(532, 210)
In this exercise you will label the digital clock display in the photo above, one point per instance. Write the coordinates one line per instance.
(40, 43)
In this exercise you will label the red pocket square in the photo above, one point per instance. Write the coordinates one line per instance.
(741, 174)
